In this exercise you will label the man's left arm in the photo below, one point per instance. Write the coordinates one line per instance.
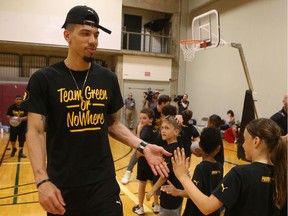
(153, 153)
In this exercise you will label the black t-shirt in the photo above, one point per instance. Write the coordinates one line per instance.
(247, 190)
(220, 155)
(180, 106)
(157, 120)
(281, 119)
(78, 150)
(147, 134)
(18, 111)
(207, 175)
(168, 201)
(188, 132)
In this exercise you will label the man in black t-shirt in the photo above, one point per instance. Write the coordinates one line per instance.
(79, 101)
(17, 113)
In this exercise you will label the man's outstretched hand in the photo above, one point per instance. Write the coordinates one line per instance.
(154, 156)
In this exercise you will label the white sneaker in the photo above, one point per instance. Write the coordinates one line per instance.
(138, 210)
(156, 208)
(126, 177)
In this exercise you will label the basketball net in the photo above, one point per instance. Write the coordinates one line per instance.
(189, 48)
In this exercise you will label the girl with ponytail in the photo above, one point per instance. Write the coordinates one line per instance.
(259, 188)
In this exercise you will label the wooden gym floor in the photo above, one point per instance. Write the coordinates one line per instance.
(18, 194)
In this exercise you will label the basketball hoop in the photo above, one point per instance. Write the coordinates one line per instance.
(189, 48)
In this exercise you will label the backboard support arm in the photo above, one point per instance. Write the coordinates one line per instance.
(247, 75)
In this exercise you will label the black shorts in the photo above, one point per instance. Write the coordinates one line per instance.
(17, 132)
(93, 200)
(144, 171)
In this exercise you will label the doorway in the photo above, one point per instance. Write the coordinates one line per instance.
(132, 24)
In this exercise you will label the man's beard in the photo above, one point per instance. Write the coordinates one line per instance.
(88, 59)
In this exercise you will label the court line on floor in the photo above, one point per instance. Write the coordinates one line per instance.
(16, 163)
(125, 155)
(17, 195)
(22, 185)
(20, 203)
(131, 196)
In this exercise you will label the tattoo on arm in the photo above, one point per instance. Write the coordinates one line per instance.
(111, 119)
(43, 119)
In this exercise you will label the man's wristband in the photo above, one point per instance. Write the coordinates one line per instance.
(141, 147)
(42, 182)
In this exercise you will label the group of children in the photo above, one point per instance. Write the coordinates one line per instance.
(258, 188)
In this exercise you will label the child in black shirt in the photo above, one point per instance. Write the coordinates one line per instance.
(259, 188)
(169, 205)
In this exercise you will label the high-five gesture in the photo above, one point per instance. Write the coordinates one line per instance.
(180, 164)
(154, 156)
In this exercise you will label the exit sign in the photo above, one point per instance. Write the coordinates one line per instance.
(146, 73)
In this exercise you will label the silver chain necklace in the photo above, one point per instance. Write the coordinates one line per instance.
(84, 83)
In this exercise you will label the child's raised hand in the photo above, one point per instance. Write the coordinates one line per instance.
(139, 128)
(169, 189)
(180, 163)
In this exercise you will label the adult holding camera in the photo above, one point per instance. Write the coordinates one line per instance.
(183, 104)
(150, 99)
(154, 101)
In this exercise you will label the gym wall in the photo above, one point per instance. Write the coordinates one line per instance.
(41, 21)
(215, 80)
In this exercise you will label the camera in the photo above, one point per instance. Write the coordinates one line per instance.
(178, 98)
(150, 95)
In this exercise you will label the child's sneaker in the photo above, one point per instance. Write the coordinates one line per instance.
(126, 177)
(138, 210)
(156, 208)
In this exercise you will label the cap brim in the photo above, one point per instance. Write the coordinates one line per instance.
(104, 29)
(97, 26)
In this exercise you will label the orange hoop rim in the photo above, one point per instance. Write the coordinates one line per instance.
(190, 41)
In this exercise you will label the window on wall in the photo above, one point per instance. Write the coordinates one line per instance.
(32, 63)
(15, 66)
(9, 65)
(132, 35)
(146, 31)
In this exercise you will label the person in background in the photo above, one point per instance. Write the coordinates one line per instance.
(163, 104)
(230, 129)
(145, 102)
(259, 188)
(16, 110)
(207, 174)
(281, 117)
(154, 101)
(214, 121)
(229, 122)
(144, 173)
(149, 99)
(183, 104)
(130, 111)
(163, 100)
(80, 100)
(189, 132)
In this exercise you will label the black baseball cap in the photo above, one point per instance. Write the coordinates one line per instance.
(80, 14)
